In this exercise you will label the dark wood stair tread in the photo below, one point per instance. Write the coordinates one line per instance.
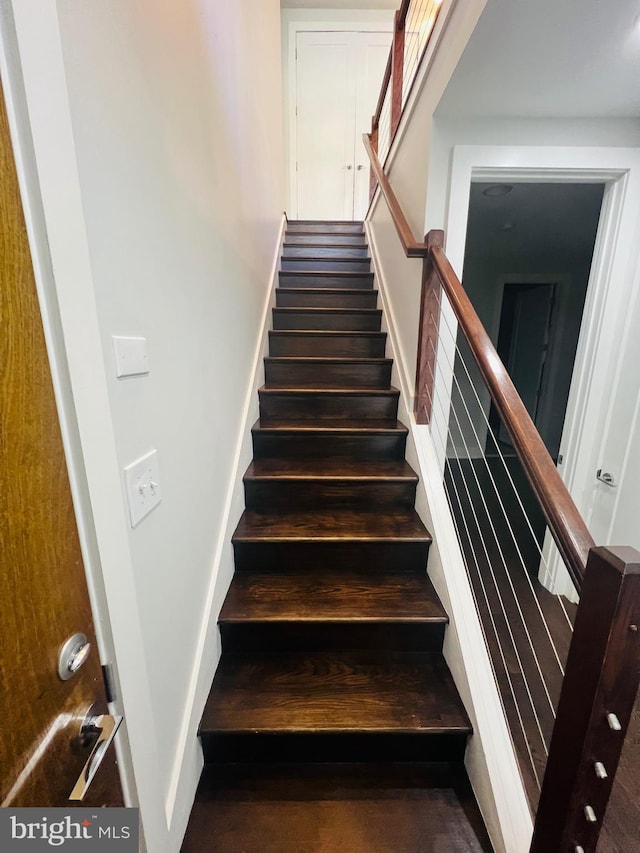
(330, 392)
(341, 692)
(329, 291)
(319, 808)
(330, 469)
(331, 425)
(331, 526)
(332, 596)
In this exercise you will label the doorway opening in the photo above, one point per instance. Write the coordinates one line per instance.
(527, 264)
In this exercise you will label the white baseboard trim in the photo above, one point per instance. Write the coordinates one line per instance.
(188, 761)
(490, 758)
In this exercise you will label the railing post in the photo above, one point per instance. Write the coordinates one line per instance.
(374, 144)
(428, 332)
(397, 71)
(598, 693)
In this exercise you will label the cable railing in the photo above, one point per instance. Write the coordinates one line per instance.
(567, 674)
(413, 25)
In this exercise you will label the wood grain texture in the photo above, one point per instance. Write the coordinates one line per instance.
(327, 373)
(335, 526)
(350, 280)
(602, 677)
(335, 439)
(331, 319)
(320, 298)
(334, 595)
(340, 692)
(321, 264)
(314, 403)
(328, 344)
(318, 250)
(44, 596)
(397, 71)
(428, 332)
(326, 240)
(325, 809)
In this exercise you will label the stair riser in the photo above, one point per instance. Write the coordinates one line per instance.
(321, 636)
(314, 556)
(301, 239)
(328, 264)
(308, 494)
(301, 375)
(291, 318)
(366, 748)
(295, 226)
(361, 448)
(292, 298)
(293, 251)
(327, 346)
(355, 281)
(282, 406)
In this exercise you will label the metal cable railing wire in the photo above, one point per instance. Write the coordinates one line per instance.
(468, 553)
(459, 412)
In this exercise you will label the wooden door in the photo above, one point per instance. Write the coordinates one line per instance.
(43, 591)
(338, 79)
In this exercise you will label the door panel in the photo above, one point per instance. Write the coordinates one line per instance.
(44, 598)
(531, 307)
(374, 51)
(338, 79)
(325, 92)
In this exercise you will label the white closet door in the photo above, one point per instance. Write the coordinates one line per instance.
(325, 124)
(372, 60)
(338, 79)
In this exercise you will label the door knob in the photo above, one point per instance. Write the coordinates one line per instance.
(97, 730)
(349, 167)
(73, 655)
(360, 168)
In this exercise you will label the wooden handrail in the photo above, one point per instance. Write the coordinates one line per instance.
(383, 90)
(412, 248)
(565, 522)
(403, 11)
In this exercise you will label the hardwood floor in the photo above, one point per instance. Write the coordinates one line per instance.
(332, 684)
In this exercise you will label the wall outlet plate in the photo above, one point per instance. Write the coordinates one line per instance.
(131, 356)
(142, 479)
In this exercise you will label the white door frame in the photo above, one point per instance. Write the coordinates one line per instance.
(296, 27)
(610, 282)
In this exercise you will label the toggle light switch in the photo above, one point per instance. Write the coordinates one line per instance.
(142, 479)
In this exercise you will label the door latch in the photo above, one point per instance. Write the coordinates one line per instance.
(606, 478)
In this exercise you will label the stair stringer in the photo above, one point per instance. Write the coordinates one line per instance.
(188, 762)
(490, 758)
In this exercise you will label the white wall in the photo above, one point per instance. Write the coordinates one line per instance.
(171, 185)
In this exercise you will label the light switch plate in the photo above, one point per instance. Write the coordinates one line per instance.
(142, 479)
(131, 356)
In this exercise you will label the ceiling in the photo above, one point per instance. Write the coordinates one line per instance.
(339, 4)
(555, 220)
(550, 58)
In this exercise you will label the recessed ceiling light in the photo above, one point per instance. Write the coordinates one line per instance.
(497, 190)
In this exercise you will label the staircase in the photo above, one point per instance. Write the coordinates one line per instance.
(333, 722)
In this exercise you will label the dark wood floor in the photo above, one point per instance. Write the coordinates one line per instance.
(331, 808)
